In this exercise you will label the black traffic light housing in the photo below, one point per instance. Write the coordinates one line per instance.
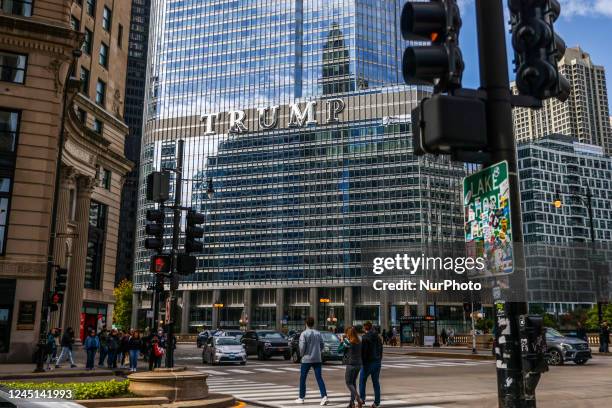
(185, 264)
(161, 264)
(440, 63)
(194, 232)
(537, 49)
(158, 186)
(61, 278)
(155, 228)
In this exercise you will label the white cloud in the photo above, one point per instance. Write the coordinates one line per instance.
(571, 8)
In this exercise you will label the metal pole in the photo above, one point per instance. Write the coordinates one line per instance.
(436, 342)
(175, 240)
(473, 330)
(494, 81)
(589, 197)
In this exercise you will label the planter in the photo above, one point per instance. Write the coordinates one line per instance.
(176, 384)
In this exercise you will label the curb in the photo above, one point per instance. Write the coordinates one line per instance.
(63, 374)
(465, 356)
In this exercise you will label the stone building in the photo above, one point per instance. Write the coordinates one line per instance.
(38, 104)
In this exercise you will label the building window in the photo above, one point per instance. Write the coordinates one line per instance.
(9, 127)
(97, 126)
(18, 7)
(90, 7)
(106, 179)
(119, 35)
(100, 92)
(82, 115)
(75, 23)
(85, 81)
(95, 245)
(86, 48)
(13, 67)
(106, 19)
(103, 60)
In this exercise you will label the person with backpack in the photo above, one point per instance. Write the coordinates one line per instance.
(113, 347)
(311, 344)
(155, 355)
(92, 344)
(134, 345)
(103, 336)
(66, 342)
(371, 355)
(351, 348)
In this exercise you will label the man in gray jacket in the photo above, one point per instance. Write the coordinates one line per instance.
(311, 345)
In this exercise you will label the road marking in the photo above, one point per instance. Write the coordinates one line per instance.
(239, 371)
(268, 370)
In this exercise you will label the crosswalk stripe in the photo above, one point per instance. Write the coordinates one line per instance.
(239, 371)
(291, 369)
(267, 370)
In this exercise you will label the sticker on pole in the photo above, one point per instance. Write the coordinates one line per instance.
(488, 231)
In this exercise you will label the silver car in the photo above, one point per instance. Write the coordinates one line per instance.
(223, 350)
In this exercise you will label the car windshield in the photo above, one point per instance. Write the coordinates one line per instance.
(227, 341)
(271, 335)
(553, 333)
(330, 337)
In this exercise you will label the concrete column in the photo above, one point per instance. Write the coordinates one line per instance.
(76, 274)
(67, 177)
(247, 312)
(215, 311)
(135, 307)
(384, 310)
(280, 307)
(313, 298)
(348, 306)
(186, 304)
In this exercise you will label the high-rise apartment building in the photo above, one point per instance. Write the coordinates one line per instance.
(134, 103)
(39, 107)
(585, 115)
(296, 111)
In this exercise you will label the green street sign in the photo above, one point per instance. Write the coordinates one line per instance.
(488, 231)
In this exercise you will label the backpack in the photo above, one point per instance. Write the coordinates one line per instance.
(158, 351)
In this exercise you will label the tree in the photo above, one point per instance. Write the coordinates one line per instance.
(592, 320)
(122, 314)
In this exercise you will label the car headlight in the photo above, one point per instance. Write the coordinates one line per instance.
(567, 347)
(267, 344)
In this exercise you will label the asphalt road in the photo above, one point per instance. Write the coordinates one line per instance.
(407, 381)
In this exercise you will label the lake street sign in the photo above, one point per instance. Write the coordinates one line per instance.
(488, 230)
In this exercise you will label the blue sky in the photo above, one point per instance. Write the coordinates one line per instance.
(587, 23)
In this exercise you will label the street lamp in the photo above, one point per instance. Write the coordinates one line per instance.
(325, 301)
(218, 306)
(586, 200)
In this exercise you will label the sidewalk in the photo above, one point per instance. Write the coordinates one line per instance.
(445, 351)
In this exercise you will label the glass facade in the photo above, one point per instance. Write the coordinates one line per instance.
(314, 163)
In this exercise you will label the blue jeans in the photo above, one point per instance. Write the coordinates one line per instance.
(134, 358)
(304, 369)
(103, 354)
(112, 359)
(373, 370)
(91, 357)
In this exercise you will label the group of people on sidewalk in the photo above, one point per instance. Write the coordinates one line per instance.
(362, 357)
(112, 347)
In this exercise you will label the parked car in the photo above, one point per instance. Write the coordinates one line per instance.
(330, 349)
(563, 348)
(265, 344)
(223, 349)
(232, 333)
(203, 337)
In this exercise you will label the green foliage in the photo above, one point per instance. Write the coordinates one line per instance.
(80, 391)
(485, 325)
(592, 320)
(550, 321)
(122, 312)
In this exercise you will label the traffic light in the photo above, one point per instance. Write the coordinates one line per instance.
(440, 63)
(158, 186)
(537, 49)
(185, 264)
(155, 228)
(445, 124)
(161, 263)
(61, 277)
(194, 232)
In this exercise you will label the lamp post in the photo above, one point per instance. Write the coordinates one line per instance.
(586, 200)
(218, 305)
(325, 301)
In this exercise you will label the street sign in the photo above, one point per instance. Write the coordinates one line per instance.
(488, 230)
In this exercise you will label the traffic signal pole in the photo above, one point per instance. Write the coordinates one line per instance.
(178, 181)
(494, 81)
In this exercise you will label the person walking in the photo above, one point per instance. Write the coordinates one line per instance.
(310, 345)
(113, 347)
(103, 336)
(51, 347)
(444, 336)
(351, 348)
(66, 342)
(134, 345)
(92, 344)
(371, 356)
(123, 347)
(451, 336)
(604, 338)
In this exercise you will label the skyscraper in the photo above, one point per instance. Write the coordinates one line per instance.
(134, 102)
(296, 112)
(585, 115)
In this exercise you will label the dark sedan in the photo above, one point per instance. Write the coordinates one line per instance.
(330, 348)
(265, 344)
